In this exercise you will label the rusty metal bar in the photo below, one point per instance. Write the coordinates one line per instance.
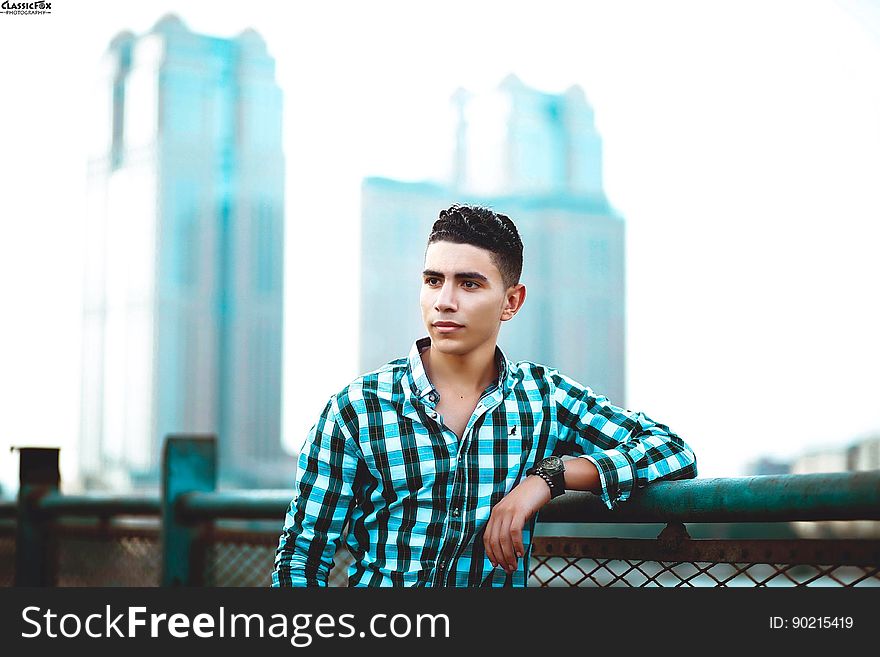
(788, 551)
(104, 531)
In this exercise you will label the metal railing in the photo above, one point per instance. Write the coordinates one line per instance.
(194, 535)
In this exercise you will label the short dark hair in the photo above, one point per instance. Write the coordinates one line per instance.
(487, 229)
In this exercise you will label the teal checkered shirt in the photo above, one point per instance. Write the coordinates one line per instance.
(415, 498)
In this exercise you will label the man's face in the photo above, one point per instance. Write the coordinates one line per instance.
(463, 297)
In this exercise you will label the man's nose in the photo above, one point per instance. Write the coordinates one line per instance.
(446, 298)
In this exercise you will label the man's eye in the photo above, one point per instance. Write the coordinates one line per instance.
(431, 281)
(471, 285)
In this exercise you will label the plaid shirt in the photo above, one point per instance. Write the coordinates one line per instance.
(417, 498)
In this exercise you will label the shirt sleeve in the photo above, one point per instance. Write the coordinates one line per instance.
(322, 503)
(628, 448)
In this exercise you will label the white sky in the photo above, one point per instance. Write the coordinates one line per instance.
(742, 144)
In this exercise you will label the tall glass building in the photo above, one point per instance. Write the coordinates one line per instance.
(536, 157)
(183, 290)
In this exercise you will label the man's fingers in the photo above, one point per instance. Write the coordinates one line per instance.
(487, 541)
(507, 545)
(516, 537)
(492, 540)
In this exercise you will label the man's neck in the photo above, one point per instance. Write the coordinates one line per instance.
(470, 374)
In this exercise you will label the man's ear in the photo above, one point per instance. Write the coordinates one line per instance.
(516, 297)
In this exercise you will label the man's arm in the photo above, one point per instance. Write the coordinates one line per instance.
(502, 538)
(321, 504)
(621, 450)
(628, 449)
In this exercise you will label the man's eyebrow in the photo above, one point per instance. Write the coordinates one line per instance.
(474, 275)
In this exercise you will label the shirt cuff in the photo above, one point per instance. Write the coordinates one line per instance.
(616, 475)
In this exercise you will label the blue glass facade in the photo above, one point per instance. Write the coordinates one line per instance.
(184, 293)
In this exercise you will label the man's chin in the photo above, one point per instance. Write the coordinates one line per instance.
(448, 343)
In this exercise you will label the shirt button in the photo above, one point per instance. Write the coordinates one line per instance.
(456, 511)
(433, 397)
(433, 415)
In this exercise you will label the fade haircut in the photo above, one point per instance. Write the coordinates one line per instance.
(486, 229)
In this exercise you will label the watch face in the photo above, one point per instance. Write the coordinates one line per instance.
(551, 465)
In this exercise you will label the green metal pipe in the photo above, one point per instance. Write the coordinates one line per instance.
(250, 505)
(764, 498)
(99, 504)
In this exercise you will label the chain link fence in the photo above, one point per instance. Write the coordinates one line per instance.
(561, 572)
(106, 555)
(121, 554)
(673, 559)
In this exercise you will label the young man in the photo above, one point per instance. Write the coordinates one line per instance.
(439, 462)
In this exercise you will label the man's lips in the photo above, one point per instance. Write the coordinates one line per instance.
(447, 327)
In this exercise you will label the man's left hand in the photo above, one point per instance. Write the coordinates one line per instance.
(502, 538)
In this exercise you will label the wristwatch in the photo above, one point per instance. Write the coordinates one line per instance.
(551, 470)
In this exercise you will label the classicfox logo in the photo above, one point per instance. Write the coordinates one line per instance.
(26, 7)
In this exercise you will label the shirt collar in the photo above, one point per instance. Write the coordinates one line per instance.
(421, 385)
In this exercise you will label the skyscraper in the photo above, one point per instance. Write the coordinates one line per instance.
(536, 157)
(183, 290)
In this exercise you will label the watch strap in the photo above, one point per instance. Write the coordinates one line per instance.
(555, 489)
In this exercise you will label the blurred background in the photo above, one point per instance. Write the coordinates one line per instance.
(213, 216)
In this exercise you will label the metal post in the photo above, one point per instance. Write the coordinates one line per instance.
(38, 475)
(189, 463)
